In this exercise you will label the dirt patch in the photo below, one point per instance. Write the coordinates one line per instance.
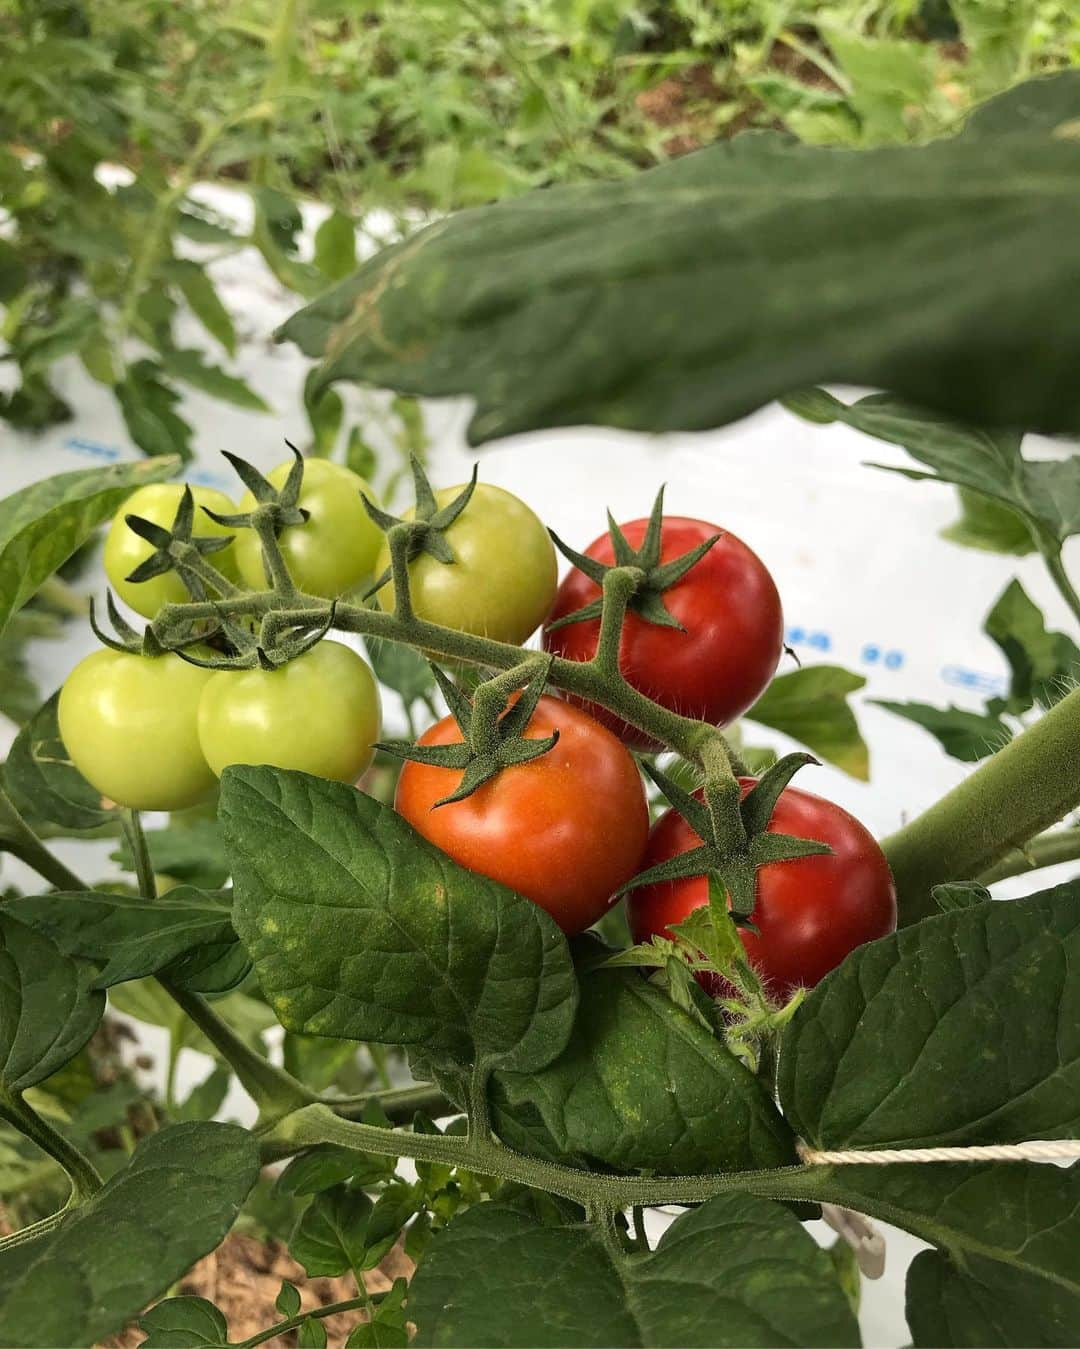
(244, 1276)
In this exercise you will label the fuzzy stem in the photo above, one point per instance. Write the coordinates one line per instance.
(136, 841)
(399, 1104)
(1023, 789)
(277, 573)
(1060, 577)
(363, 1303)
(620, 584)
(1061, 845)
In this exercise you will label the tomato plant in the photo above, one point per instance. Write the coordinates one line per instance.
(808, 913)
(501, 581)
(125, 550)
(566, 829)
(318, 713)
(419, 982)
(706, 646)
(335, 549)
(129, 724)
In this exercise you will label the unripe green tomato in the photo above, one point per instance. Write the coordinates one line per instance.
(502, 581)
(318, 713)
(334, 550)
(130, 725)
(124, 549)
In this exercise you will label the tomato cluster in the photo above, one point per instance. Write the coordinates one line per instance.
(568, 827)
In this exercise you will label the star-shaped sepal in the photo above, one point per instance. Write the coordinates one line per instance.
(426, 531)
(647, 600)
(493, 733)
(146, 643)
(177, 548)
(280, 505)
(734, 863)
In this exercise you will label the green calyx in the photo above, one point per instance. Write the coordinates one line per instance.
(277, 508)
(129, 639)
(426, 531)
(735, 841)
(493, 731)
(647, 599)
(178, 549)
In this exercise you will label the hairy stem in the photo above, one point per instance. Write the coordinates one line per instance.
(1061, 845)
(1023, 789)
(399, 1104)
(283, 1327)
(1056, 567)
(317, 1124)
(136, 841)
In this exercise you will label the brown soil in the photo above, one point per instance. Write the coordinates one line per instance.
(243, 1278)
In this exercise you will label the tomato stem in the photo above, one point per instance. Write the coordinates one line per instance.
(1021, 790)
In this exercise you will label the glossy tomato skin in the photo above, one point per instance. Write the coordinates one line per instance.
(810, 912)
(124, 549)
(335, 549)
(130, 726)
(566, 829)
(318, 713)
(502, 581)
(729, 607)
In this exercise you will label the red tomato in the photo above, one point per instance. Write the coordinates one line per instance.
(729, 607)
(566, 829)
(810, 912)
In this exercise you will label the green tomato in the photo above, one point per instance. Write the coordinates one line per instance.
(502, 581)
(318, 713)
(130, 725)
(334, 550)
(124, 550)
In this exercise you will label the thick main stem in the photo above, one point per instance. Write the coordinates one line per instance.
(17, 838)
(1023, 789)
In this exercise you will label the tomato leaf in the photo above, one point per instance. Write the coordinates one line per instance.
(1045, 494)
(335, 246)
(967, 736)
(982, 998)
(810, 705)
(331, 1236)
(184, 1323)
(988, 524)
(44, 784)
(49, 1007)
(129, 937)
(488, 1279)
(361, 929)
(148, 405)
(190, 365)
(681, 298)
(174, 1201)
(42, 525)
(640, 1086)
(1044, 664)
(203, 300)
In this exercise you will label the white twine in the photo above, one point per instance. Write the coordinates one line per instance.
(997, 1152)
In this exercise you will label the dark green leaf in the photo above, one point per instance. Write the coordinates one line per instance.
(335, 246)
(737, 1271)
(348, 914)
(810, 705)
(641, 1086)
(49, 1007)
(148, 405)
(288, 1300)
(42, 525)
(967, 736)
(174, 1201)
(982, 999)
(1007, 1271)
(988, 524)
(1044, 665)
(184, 1323)
(129, 937)
(311, 1335)
(198, 290)
(681, 298)
(331, 1237)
